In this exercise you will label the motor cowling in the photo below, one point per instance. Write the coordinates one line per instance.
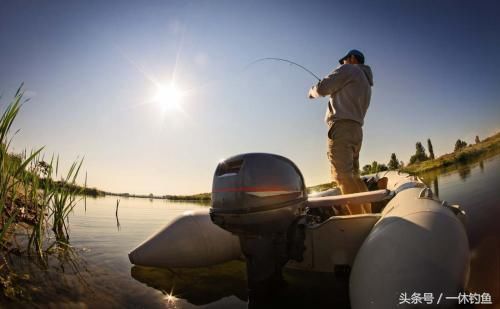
(261, 198)
(257, 193)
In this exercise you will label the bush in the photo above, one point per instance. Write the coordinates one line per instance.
(420, 155)
(459, 145)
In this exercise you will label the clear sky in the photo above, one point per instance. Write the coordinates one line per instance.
(90, 68)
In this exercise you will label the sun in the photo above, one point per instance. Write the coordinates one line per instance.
(168, 96)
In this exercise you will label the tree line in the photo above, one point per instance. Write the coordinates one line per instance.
(419, 156)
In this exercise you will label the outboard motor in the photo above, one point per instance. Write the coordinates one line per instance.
(261, 198)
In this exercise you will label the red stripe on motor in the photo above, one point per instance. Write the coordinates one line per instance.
(254, 189)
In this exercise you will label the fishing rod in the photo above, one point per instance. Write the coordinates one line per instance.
(287, 61)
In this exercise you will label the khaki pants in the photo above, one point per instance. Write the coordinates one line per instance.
(344, 144)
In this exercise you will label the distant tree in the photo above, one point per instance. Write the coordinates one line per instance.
(419, 155)
(477, 139)
(431, 150)
(401, 164)
(420, 152)
(382, 167)
(375, 167)
(459, 145)
(413, 159)
(366, 169)
(393, 163)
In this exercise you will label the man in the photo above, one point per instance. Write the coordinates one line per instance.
(349, 88)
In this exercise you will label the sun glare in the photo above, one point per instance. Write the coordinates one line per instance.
(170, 299)
(168, 96)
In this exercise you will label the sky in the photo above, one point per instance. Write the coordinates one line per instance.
(91, 70)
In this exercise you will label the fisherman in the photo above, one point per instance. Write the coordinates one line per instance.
(349, 88)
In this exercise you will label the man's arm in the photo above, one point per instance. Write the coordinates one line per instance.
(331, 84)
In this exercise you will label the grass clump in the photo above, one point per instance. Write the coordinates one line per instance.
(32, 200)
(11, 169)
(64, 199)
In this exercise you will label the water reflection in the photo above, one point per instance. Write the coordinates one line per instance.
(198, 286)
(308, 290)
(464, 172)
(435, 186)
(431, 180)
(203, 286)
(475, 188)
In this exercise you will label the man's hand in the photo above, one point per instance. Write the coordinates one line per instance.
(313, 92)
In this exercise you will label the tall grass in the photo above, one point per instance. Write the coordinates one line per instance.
(64, 198)
(11, 170)
(29, 191)
(39, 200)
(32, 198)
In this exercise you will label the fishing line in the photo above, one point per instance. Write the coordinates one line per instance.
(287, 61)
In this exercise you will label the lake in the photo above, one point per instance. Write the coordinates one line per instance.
(99, 273)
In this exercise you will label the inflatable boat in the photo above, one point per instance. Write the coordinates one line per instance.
(261, 212)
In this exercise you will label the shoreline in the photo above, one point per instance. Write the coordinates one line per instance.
(489, 147)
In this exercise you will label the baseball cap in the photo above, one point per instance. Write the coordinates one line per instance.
(356, 53)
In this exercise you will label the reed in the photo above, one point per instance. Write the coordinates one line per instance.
(29, 192)
(39, 199)
(31, 199)
(65, 195)
(116, 215)
(11, 170)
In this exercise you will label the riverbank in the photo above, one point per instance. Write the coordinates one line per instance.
(487, 148)
(201, 197)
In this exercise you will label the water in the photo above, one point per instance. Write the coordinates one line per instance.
(101, 275)
(476, 188)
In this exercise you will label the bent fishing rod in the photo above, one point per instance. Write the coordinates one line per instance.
(287, 61)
